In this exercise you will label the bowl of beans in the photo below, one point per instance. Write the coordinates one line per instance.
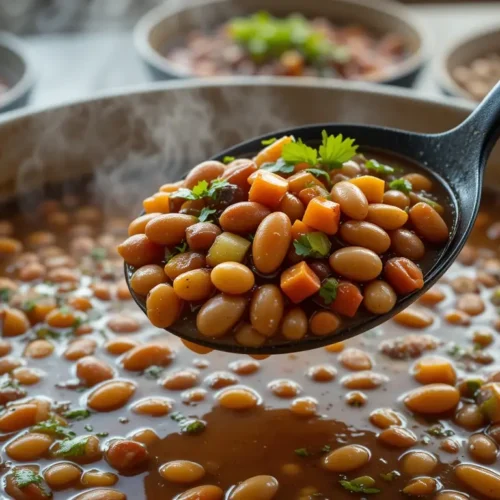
(471, 68)
(96, 403)
(16, 73)
(287, 249)
(346, 39)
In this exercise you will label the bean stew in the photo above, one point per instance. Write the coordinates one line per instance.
(95, 403)
(261, 44)
(296, 243)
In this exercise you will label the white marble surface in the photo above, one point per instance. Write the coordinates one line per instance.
(79, 65)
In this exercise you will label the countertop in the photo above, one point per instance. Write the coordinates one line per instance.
(78, 65)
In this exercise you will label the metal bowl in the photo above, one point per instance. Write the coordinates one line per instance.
(168, 24)
(16, 71)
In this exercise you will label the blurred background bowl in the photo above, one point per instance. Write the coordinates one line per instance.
(471, 67)
(167, 26)
(16, 74)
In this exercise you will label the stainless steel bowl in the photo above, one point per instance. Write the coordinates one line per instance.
(167, 24)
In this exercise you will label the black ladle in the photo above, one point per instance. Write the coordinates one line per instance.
(456, 159)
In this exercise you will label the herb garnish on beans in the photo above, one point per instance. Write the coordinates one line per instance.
(295, 242)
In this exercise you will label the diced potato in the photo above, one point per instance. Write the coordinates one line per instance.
(227, 247)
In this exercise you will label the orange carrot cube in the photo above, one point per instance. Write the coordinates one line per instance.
(299, 282)
(348, 299)
(299, 229)
(299, 181)
(322, 215)
(268, 189)
(272, 153)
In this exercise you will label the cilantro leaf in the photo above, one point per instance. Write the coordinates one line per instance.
(298, 152)
(215, 186)
(25, 477)
(200, 189)
(194, 426)
(320, 174)
(54, 428)
(72, 447)
(359, 486)
(328, 290)
(268, 142)
(279, 167)
(28, 305)
(44, 333)
(301, 452)
(153, 372)
(436, 206)
(312, 245)
(182, 247)
(5, 294)
(379, 168)
(78, 414)
(403, 185)
(206, 213)
(228, 159)
(170, 254)
(184, 193)
(178, 417)
(439, 431)
(335, 150)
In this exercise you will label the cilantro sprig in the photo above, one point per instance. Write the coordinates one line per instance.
(328, 290)
(53, 428)
(379, 168)
(279, 167)
(202, 190)
(403, 185)
(335, 150)
(72, 447)
(25, 477)
(320, 174)
(364, 484)
(314, 245)
(77, 414)
(297, 152)
(206, 214)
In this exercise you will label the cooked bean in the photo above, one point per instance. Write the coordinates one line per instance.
(118, 346)
(407, 244)
(62, 475)
(15, 322)
(388, 217)
(80, 348)
(9, 246)
(351, 199)
(385, 418)
(243, 217)
(31, 446)
(101, 494)
(428, 223)
(163, 306)
(120, 323)
(294, 324)
(248, 336)
(347, 458)
(205, 171)
(182, 471)
(470, 417)
(379, 297)
(205, 492)
(471, 304)
(97, 478)
(397, 199)
(28, 376)
(219, 314)
(355, 359)
(356, 263)
(92, 371)
(244, 366)
(322, 373)
(126, 455)
(414, 317)
(271, 242)
(403, 274)
(479, 479)
(434, 369)
(419, 182)
(256, 488)
(419, 463)
(168, 229)
(292, 207)
(433, 296)
(138, 250)
(180, 380)
(422, 486)
(266, 309)
(284, 388)
(238, 172)
(451, 495)
(304, 407)
(365, 380)
(9, 363)
(324, 323)
(482, 448)
(397, 437)
(365, 234)
(194, 285)
(238, 398)
(146, 278)
(200, 236)
(432, 399)
(455, 317)
(154, 407)
(111, 395)
(150, 354)
(232, 278)
(38, 349)
(138, 226)
(184, 262)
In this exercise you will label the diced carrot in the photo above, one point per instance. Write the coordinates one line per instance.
(348, 299)
(299, 282)
(273, 152)
(307, 194)
(268, 189)
(299, 181)
(404, 275)
(323, 215)
(299, 229)
(159, 202)
(372, 187)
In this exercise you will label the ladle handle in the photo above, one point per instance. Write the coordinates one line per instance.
(479, 132)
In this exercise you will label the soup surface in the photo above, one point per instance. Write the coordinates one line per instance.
(98, 404)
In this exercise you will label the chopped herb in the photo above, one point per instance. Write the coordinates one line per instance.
(335, 150)
(78, 322)
(312, 245)
(473, 386)
(28, 305)
(181, 248)
(432, 203)
(268, 142)
(301, 452)
(362, 484)
(439, 431)
(298, 152)
(53, 427)
(10, 384)
(279, 167)
(153, 372)
(72, 447)
(88, 428)
(25, 477)
(193, 426)
(425, 440)
(178, 417)
(228, 159)
(102, 434)
(205, 214)
(5, 294)
(389, 476)
(250, 237)
(328, 290)
(403, 185)
(320, 174)
(326, 448)
(99, 253)
(456, 351)
(379, 168)
(80, 414)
